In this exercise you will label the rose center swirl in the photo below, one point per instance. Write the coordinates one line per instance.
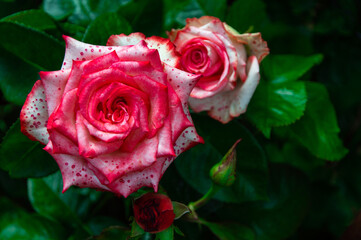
(114, 110)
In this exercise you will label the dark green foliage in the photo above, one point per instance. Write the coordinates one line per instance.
(22, 157)
(298, 170)
(251, 169)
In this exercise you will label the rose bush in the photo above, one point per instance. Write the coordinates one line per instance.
(228, 61)
(114, 117)
(153, 212)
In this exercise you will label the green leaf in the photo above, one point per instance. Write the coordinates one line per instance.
(244, 14)
(14, 84)
(30, 227)
(215, 8)
(231, 231)
(114, 232)
(81, 12)
(41, 49)
(9, 212)
(285, 68)
(179, 209)
(318, 128)
(284, 211)
(136, 230)
(98, 223)
(279, 100)
(72, 30)
(36, 19)
(104, 26)
(251, 171)
(144, 16)
(333, 207)
(22, 157)
(167, 234)
(294, 154)
(12, 187)
(275, 105)
(46, 197)
(177, 11)
(178, 231)
(59, 9)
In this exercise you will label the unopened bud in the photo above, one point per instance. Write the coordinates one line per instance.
(224, 172)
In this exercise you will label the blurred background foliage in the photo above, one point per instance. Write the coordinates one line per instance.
(299, 163)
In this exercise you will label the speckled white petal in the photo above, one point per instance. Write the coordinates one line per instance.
(75, 171)
(181, 81)
(34, 115)
(164, 46)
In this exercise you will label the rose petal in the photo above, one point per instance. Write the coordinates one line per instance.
(140, 53)
(134, 68)
(178, 114)
(182, 82)
(91, 84)
(245, 92)
(124, 40)
(118, 164)
(165, 146)
(75, 171)
(100, 63)
(199, 22)
(54, 85)
(164, 46)
(79, 51)
(257, 46)
(226, 105)
(61, 144)
(34, 115)
(158, 101)
(133, 181)
(88, 145)
(63, 119)
(75, 75)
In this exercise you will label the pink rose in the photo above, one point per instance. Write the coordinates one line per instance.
(114, 117)
(228, 61)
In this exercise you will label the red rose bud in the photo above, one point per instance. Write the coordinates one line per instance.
(223, 173)
(153, 212)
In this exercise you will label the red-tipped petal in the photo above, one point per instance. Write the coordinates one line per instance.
(63, 119)
(89, 146)
(164, 46)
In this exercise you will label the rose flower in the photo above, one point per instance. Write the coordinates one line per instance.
(153, 212)
(228, 61)
(114, 117)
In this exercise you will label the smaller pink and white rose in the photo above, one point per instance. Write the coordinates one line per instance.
(228, 61)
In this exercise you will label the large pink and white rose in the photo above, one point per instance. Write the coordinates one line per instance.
(228, 61)
(114, 117)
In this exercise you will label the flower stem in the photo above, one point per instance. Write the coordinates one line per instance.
(203, 200)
